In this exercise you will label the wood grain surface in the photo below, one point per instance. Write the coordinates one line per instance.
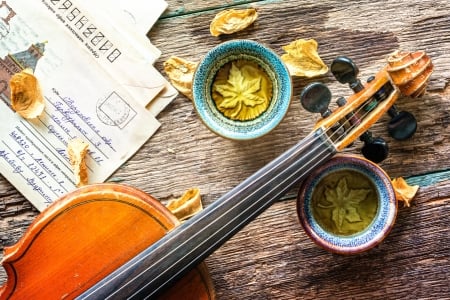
(272, 258)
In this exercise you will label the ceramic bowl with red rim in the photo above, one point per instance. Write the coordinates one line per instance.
(347, 205)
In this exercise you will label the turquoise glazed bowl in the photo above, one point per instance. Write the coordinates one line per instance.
(204, 77)
(347, 205)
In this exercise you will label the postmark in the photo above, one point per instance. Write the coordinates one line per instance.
(115, 111)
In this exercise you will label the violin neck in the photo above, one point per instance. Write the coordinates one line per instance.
(190, 243)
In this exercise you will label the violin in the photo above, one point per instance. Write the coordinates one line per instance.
(109, 241)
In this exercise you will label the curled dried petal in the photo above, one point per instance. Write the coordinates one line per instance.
(232, 20)
(77, 149)
(187, 205)
(180, 72)
(26, 96)
(403, 191)
(302, 59)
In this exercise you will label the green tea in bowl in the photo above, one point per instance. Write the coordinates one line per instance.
(347, 205)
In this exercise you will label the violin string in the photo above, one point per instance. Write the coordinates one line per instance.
(244, 221)
(203, 215)
(348, 121)
(217, 241)
(323, 133)
(251, 206)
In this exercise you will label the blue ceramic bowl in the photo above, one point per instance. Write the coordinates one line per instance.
(204, 77)
(324, 215)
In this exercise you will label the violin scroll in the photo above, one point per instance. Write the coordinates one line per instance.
(410, 71)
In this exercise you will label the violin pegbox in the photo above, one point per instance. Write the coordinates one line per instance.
(406, 73)
(357, 113)
(316, 97)
(403, 124)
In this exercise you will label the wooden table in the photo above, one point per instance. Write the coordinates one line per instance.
(272, 258)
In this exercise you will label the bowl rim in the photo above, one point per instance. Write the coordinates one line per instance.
(374, 234)
(202, 103)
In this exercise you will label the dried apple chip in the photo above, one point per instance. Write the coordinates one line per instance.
(77, 149)
(181, 72)
(232, 20)
(403, 191)
(302, 59)
(187, 205)
(26, 96)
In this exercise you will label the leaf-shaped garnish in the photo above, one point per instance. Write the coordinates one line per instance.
(344, 202)
(302, 59)
(242, 90)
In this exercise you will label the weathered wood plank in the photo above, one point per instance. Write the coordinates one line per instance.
(272, 258)
(179, 8)
(282, 263)
(334, 27)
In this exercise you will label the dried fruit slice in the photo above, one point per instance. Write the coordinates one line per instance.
(187, 205)
(232, 20)
(180, 72)
(302, 59)
(26, 96)
(403, 191)
(77, 149)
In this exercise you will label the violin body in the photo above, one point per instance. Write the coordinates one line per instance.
(86, 235)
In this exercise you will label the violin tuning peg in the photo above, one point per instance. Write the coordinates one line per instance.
(346, 71)
(402, 125)
(370, 79)
(315, 98)
(374, 149)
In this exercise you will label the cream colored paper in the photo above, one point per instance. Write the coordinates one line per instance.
(133, 19)
(134, 70)
(87, 92)
(139, 14)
